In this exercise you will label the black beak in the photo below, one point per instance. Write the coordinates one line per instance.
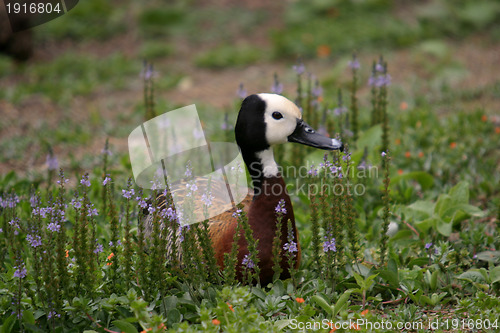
(306, 135)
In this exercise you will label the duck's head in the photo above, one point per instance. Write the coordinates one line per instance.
(269, 119)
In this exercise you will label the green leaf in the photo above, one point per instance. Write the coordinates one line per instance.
(341, 302)
(490, 256)
(8, 324)
(419, 210)
(422, 261)
(173, 317)
(444, 228)
(434, 280)
(390, 277)
(443, 203)
(473, 275)
(259, 293)
(322, 303)
(426, 224)
(460, 193)
(125, 326)
(170, 302)
(495, 274)
(28, 317)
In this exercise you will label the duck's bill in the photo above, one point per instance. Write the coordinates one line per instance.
(306, 135)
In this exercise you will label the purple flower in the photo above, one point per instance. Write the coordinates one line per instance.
(277, 87)
(20, 272)
(34, 201)
(106, 180)
(207, 198)
(312, 171)
(98, 248)
(280, 208)
(317, 90)
(85, 180)
(106, 151)
(168, 213)
(241, 92)
(76, 203)
(53, 314)
(34, 241)
(354, 64)
(14, 223)
(142, 203)
(10, 201)
(379, 68)
(383, 80)
(247, 262)
(346, 157)
(299, 68)
(290, 247)
(339, 110)
(128, 194)
(147, 72)
(329, 245)
(428, 246)
(151, 209)
(237, 213)
(54, 227)
(51, 162)
(383, 154)
(92, 211)
(372, 80)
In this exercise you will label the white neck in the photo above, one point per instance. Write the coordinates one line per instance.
(269, 166)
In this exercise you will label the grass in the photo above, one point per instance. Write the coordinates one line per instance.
(442, 263)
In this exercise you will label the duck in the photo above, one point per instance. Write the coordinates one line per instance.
(264, 121)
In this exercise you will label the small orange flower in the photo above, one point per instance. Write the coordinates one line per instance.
(300, 300)
(146, 330)
(67, 253)
(111, 256)
(333, 330)
(453, 145)
(484, 118)
(354, 326)
(407, 154)
(216, 321)
(320, 99)
(230, 306)
(420, 154)
(162, 326)
(403, 106)
(323, 51)
(400, 171)
(497, 130)
(364, 312)
(397, 141)
(109, 263)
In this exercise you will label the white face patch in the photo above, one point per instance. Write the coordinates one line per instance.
(269, 166)
(278, 130)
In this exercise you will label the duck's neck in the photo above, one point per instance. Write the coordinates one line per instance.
(260, 165)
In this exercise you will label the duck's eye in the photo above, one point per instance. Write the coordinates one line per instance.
(309, 130)
(277, 115)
